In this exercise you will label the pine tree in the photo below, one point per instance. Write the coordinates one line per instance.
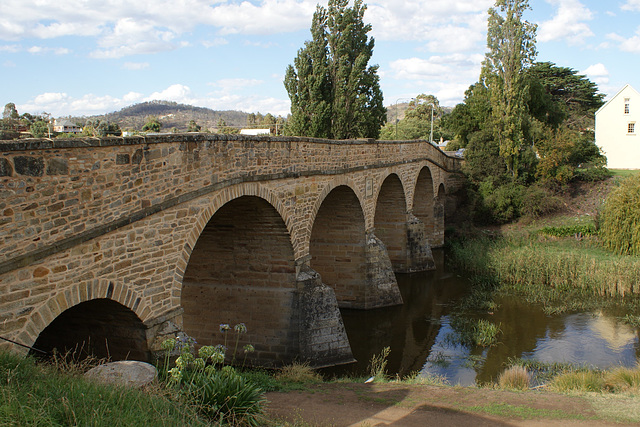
(333, 91)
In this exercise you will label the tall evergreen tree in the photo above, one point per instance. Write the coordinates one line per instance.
(511, 44)
(333, 91)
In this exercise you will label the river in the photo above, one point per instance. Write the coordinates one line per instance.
(419, 333)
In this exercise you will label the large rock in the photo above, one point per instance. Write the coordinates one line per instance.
(129, 373)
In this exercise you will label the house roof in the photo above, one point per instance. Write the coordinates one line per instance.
(66, 123)
(627, 86)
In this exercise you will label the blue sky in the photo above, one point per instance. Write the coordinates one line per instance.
(86, 57)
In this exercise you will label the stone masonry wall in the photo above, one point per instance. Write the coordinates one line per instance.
(118, 218)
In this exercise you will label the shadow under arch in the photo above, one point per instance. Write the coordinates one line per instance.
(390, 221)
(242, 270)
(225, 196)
(424, 201)
(337, 246)
(100, 327)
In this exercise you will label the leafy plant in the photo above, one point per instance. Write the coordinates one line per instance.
(218, 392)
(620, 218)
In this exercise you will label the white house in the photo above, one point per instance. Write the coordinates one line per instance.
(618, 128)
(66, 126)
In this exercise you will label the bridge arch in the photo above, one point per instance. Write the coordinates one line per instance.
(101, 318)
(423, 200)
(390, 220)
(337, 244)
(242, 270)
(221, 198)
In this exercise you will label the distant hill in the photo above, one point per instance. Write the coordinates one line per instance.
(170, 114)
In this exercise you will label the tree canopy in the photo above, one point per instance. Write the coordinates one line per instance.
(334, 93)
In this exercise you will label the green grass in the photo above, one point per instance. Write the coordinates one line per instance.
(623, 173)
(563, 274)
(521, 412)
(39, 395)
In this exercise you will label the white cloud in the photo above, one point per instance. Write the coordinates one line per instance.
(10, 48)
(218, 41)
(631, 44)
(633, 5)
(444, 26)
(568, 23)
(449, 67)
(135, 66)
(227, 85)
(43, 50)
(447, 77)
(598, 74)
(132, 97)
(123, 28)
(177, 92)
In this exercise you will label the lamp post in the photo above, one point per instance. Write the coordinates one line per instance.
(397, 100)
(431, 134)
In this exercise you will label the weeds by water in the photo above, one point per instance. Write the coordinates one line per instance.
(563, 275)
(515, 378)
(471, 332)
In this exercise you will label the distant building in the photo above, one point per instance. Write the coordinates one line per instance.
(66, 126)
(617, 128)
(255, 132)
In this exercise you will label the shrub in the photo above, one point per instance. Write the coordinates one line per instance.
(538, 201)
(221, 394)
(299, 373)
(578, 381)
(620, 218)
(623, 379)
(515, 378)
(224, 396)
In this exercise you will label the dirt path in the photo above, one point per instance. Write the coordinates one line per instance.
(401, 405)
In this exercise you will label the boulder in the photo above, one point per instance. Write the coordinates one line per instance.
(129, 373)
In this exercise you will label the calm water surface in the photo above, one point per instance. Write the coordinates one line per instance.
(419, 333)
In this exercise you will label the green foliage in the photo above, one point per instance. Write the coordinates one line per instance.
(224, 396)
(580, 381)
(619, 219)
(333, 91)
(10, 111)
(559, 94)
(473, 332)
(511, 49)
(569, 230)
(39, 129)
(193, 126)
(42, 395)
(101, 128)
(538, 201)
(562, 275)
(221, 394)
(152, 125)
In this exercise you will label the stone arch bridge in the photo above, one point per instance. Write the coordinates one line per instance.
(109, 245)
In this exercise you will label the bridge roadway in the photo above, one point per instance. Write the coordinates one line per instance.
(110, 245)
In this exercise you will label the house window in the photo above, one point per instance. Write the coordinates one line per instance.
(627, 101)
(631, 128)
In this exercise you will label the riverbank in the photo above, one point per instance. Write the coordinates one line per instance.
(409, 405)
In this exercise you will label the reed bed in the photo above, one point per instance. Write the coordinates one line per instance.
(526, 263)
